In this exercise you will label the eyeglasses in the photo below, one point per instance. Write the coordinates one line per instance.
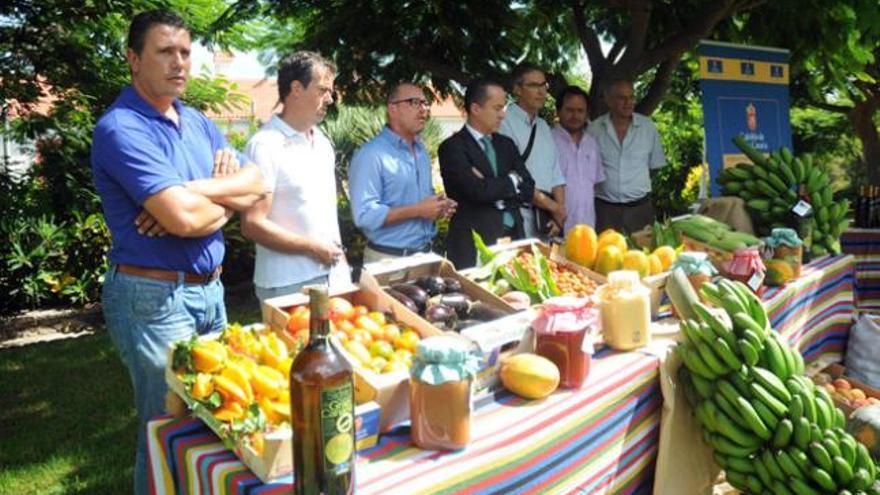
(413, 102)
(536, 85)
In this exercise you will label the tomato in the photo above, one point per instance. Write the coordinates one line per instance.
(382, 349)
(409, 339)
(390, 332)
(340, 309)
(370, 325)
(299, 319)
(378, 317)
(362, 336)
(360, 310)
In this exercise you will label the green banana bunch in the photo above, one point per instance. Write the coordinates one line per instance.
(772, 429)
(770, 186)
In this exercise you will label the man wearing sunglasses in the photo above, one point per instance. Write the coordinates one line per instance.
(393, 199)
(535, 142)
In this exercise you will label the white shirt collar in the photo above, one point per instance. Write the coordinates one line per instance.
(475, 133)
(289, 132)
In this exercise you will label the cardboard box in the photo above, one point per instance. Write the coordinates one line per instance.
(839, 371)
(390, 390)
(405, 269)
(551, 252)
(497, 340)
(276, 459)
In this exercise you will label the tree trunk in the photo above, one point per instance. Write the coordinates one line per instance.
(862, 119)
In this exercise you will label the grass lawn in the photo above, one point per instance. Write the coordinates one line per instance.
(67, 418)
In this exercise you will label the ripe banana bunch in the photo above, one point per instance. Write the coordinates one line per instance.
(770, 188)
(772, 430)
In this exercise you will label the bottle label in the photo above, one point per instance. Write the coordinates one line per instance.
(337, 424)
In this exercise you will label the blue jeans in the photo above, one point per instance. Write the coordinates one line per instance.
(264, 293)
(144, 317)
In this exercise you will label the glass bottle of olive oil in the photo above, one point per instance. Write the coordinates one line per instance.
(322, 410)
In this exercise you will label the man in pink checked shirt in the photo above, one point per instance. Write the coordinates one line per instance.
(578, 156)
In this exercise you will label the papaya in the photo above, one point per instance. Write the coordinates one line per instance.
(529, 375)
(581, 245)
(637, 261)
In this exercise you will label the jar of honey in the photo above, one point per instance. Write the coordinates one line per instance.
(625, 310)
(562, 336)
(441, 378)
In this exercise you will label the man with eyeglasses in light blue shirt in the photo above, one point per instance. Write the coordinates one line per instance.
(631, 153)
(393, 200)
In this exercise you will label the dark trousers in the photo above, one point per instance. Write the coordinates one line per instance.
(624, 217)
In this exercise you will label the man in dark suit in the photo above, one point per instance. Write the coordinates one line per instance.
(484, 172)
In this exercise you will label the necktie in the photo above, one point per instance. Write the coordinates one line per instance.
(493, 161)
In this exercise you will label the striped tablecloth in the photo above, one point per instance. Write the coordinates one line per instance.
(815, 312)
(599, 439)
(864, 245)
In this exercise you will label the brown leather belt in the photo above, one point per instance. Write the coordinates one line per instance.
(169, 275)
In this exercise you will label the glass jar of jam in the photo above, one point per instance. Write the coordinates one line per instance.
(747, 267)
(440, 393)
(562, 336)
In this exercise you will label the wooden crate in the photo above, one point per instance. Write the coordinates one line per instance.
(552, 252)
(390, 390)
(276, 460)
(839, 371)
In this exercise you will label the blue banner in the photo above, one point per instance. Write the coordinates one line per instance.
(745, 91)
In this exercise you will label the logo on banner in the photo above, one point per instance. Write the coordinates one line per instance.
(754, 137)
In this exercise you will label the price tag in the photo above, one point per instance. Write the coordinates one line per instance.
(755, 281)
(802, 208)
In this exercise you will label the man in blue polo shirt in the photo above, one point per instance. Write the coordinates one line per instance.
(392, 196)
(168, 184)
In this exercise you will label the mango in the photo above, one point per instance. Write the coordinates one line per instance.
(779, 272)
(610, 259)
(656, 266)
(611, 237)
(667, 256)
(637, 261)
(529, 375)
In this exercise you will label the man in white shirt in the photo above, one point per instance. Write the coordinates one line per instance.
(295, 226)
(631, 154)
(529, 87)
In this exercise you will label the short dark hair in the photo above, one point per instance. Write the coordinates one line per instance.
(520, 71)
(137, 31)
(477, 91)
(570, 91)
(299, 66)
(615, 81)
(395, 88)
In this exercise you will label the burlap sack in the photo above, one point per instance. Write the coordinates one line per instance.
(730, 210)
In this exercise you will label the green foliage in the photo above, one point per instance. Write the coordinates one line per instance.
(829, 138)
(680, 124)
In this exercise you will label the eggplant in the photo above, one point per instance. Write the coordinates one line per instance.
(452, 285)
(483, 312)
(441, 315)
(462, 324)
(403, 299)
(432, 284)
(415, 293)
(455, 300)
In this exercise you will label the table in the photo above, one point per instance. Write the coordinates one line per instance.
(601, 438)
(815, 312)
(864, 245)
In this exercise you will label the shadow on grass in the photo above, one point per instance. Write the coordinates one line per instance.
(67, 418)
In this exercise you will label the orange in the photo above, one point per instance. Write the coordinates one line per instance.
(581, 245)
